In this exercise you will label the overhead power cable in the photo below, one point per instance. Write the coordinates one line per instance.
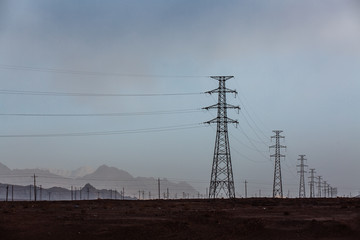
(82, 134)
(77, 94)
(124, 114)
(93, 73)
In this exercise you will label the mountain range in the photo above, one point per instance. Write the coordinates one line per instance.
(104, 177)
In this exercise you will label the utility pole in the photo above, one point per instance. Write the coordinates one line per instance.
(72, 194)
(30, 192)
(167, 194)
(40, 192)
(7, 192)
(222, 179)
(312, 182)
(302, 192)
(277, 184)
(159, 188)
(12, 193)
(49, 193)
(246, 188)
(35, 187)
(319, 186)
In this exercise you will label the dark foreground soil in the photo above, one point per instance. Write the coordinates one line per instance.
(182, 219)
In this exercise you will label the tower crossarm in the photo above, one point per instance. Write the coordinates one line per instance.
(227, 120)
(217, 105)
(275, 146)
(225, 90)
(277, 155)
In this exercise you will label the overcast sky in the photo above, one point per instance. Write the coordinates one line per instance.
(296, 66)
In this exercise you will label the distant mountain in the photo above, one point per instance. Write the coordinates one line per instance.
(77, 173)
(108, 173)
(26, 193)
(140, 186)
(104, 177)
(4, 169)
(31, 172)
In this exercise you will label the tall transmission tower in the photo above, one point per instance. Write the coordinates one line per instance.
(222, 179)
(302, 192)
(312, 182)
(277, 185)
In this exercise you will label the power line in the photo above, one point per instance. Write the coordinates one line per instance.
(77, 94)
(247, 121)
(93, 73)
(124, 114)
(251, 142)
(82, 134)
(241, 95)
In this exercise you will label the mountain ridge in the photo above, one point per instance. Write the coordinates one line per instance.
(104, 177)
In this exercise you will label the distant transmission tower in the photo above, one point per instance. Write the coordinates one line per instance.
(302, 192)
(324, 188)
(221, 174)
(312, 182)
(319, 186)
(277, 185)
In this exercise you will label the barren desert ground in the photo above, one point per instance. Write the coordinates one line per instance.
(254, 218)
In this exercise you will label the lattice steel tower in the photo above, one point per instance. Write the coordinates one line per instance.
(221, 173)
(312, 182)
(302, 192)
(277, 185)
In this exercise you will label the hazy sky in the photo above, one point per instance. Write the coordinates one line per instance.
(296, 66)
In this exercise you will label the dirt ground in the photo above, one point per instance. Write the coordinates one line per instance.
(289, 219)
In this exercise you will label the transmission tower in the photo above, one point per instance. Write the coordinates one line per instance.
(319, 186)
(312, 182)
(302, 192)
(277, 185)
(221, 173)
(324, 188)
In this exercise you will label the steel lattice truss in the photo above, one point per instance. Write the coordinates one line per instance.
(302, 192)
(277, 185)
(222, 180)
